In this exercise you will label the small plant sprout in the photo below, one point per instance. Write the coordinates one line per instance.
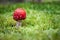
(19, 15)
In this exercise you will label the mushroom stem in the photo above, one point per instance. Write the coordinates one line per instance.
(18, 24)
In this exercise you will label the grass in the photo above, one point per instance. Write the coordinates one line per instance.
(42, 22)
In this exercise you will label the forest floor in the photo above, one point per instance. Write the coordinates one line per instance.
(42, 22)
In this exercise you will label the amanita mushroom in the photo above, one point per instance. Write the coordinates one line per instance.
(18, 15)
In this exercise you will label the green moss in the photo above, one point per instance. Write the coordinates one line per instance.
(2, 20)
(42, 22)
(10, 22)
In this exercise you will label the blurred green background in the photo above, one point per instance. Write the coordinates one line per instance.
(42, 21)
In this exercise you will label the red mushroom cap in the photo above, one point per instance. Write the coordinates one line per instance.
(19, 14)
